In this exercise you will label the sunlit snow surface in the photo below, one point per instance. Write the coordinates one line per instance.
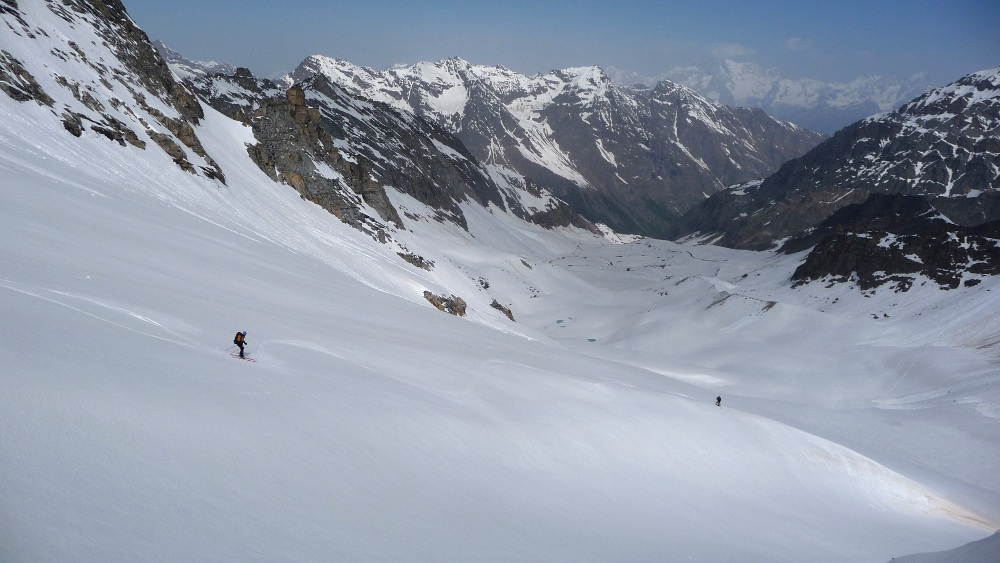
(374, 428)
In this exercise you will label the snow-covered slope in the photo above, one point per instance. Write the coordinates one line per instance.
(373, 427)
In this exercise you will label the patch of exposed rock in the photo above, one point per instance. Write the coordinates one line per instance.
(292, 144)
(448, 304)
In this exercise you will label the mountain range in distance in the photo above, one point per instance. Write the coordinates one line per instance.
(817, 105)
(657, 160)
(634, 158)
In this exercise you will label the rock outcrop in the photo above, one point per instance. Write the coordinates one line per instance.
(898, 240)
(344, 152)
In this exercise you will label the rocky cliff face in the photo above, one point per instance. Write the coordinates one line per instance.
(632, 158)
(343, 153)
(944, 145)
(88, 63)
(104, 78)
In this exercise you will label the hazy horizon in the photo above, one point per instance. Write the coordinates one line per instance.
(832, 43)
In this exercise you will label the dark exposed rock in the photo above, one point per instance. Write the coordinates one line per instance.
(18, 83)
(292, 140)
(185, 133)
(900, 214)
(416, 165)
(631, 158)
(416, 260)
(166, 142)
(73, 123)
(890, 239)
(505, 310)
(237, 95)
(451, 304)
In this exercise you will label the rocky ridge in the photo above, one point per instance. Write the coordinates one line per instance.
(118, 86)
(185, 68)
(944, 146)
(344, 152)
(899, 240)
(631, 158)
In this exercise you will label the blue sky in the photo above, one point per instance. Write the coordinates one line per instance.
(821, 40)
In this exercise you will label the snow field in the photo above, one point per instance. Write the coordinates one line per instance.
(375, 428)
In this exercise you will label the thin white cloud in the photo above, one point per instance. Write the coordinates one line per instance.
(798, 44)
(729, 50)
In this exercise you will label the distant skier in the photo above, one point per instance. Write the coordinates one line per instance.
(240, 340)
(718, 401)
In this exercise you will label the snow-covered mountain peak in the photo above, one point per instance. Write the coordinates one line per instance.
(574, 129)
(959, 115)
(941, 147)
(972, 93)
(818, 105)
(184, 68)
